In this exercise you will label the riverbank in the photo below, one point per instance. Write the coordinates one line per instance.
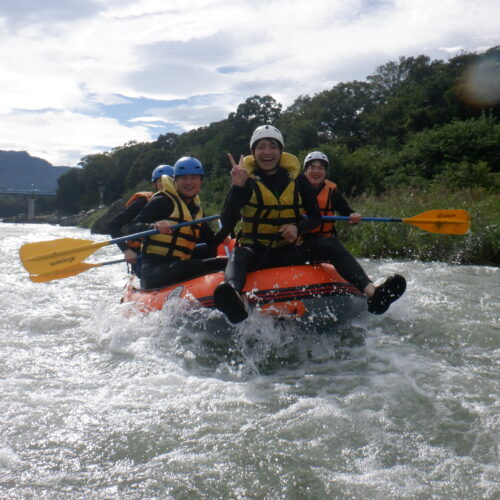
(77, 220)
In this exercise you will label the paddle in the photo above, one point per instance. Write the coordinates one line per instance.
(70, 271)
(45, 257)
(433, 221)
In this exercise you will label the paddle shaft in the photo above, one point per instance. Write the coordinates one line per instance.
(150, 232)
(418, 219)
(110, 262)
(388, 219)
(366, 219)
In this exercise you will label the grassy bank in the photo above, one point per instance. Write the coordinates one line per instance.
(401, 240)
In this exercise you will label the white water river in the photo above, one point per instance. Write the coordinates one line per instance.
(95, 403)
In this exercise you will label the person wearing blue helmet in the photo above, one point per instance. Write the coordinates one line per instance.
(158, 172)
(170, 256)
(133, 206)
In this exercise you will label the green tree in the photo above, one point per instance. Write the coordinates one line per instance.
(339, 110)
(70, 192)
(301, 125)
(429, 152)
(143, 166)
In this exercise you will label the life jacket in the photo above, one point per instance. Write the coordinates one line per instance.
(140, 194)
(136, 244)
(324, 197)
(181, 243)
(265, 212)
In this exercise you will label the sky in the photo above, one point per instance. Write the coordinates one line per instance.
(79, 77)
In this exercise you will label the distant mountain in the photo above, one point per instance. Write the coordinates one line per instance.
(20, 170)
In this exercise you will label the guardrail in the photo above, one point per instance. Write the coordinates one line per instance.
(26, 192)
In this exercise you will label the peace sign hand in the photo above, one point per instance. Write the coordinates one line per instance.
(239, 174)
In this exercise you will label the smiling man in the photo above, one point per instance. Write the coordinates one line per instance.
(170, 256)
(270, 196)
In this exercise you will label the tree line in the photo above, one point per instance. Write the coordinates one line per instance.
(413, 122)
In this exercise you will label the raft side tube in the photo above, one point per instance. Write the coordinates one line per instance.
(298, 291)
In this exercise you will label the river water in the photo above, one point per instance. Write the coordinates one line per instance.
(99, 403)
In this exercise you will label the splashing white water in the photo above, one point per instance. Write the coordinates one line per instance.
(98, 402)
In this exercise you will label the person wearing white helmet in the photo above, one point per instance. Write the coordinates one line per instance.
(169, 256)
(268, 132)
(270, 196)
(133, 206)
(330, 200)
(321, 243)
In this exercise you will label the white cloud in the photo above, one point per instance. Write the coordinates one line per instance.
(71, 61)
(63, 137)
(188, 117)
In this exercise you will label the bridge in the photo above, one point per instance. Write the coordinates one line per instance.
(31, 194)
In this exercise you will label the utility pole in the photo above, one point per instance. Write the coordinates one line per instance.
(31, 204)
(100, 186)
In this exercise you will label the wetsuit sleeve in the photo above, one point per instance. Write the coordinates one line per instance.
(120, 220)
(310, 204)
(340, 205)
(158, 208)
(237, 197)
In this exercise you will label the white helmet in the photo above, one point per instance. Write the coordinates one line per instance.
(315, 155)
(267, 132)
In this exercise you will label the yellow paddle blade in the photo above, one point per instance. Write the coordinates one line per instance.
(70, 271)
(441, 221)
(64, 273)
(48, 256)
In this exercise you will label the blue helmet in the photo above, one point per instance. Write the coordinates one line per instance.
(188, 165)
(162, 170)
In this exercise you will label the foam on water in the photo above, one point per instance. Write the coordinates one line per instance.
(100, 403)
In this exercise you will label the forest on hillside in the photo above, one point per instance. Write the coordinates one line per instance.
(412, 123)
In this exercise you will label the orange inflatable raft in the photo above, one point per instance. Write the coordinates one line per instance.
(314, 294)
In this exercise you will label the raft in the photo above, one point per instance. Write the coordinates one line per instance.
(312, 294)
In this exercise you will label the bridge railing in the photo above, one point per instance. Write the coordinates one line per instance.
(31, 194)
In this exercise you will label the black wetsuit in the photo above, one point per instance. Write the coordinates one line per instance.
(329, 249)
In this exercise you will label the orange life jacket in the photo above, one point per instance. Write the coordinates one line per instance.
(140, 194)
(324, 197)
(136, 244)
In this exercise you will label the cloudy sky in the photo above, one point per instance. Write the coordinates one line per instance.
(84, 76)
